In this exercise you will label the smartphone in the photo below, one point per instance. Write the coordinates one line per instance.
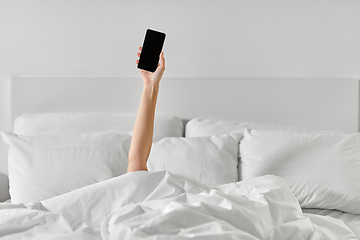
(151, 49)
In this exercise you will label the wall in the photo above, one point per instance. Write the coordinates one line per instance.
(205, 39)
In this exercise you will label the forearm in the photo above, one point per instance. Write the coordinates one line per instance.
(143, 129)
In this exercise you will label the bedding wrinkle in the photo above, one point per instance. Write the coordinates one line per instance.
(242, 215)
(34, 224)
(175, 210)
(166, 192)
(352, 221)
(300, 229)
(325, 225)
(161, 205)
(226, 210)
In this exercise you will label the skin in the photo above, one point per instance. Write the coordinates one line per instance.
(144, 124)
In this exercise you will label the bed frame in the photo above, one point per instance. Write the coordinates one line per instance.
(326, 104)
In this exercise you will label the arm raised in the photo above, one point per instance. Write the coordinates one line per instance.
(144, 124)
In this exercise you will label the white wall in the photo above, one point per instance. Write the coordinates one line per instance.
(205, 39)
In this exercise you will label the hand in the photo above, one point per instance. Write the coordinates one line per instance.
(155, 77)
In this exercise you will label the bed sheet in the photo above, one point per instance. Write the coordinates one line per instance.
(161, 205)
(350, 220)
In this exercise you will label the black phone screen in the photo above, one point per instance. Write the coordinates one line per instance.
(151, 50)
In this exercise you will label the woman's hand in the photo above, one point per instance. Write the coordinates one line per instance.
(141, 140)
(149, 77)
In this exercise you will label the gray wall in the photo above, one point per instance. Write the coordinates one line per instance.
(205, 39)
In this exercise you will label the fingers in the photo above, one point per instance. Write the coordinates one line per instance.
(162, 59)
(138, 54)
(161, 62)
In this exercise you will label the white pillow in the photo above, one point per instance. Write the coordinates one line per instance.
(41, 167)
(165, 125)
(322, 170)
(208, 160)
(199, 127)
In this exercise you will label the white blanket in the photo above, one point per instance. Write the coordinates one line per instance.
(143, 205)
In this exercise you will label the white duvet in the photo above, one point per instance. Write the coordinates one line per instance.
(160, 205)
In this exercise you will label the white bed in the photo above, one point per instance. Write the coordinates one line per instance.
(284, 192)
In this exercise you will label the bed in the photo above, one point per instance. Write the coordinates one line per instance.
(209, 177)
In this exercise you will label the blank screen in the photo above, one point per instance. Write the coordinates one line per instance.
(151, 50)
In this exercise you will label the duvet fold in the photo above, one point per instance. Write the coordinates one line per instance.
(161, 205)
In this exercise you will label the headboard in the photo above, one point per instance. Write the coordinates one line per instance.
(326, 104)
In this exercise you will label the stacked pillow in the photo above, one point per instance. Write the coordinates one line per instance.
(322, 168)
(199, 127)
(51, 154)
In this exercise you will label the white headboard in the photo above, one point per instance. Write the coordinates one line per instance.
(328, 104)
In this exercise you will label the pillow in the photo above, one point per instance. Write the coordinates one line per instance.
(322, 170)
(165, 125)
(41, 167)
(199, 127)
(73, 123)
(208, 160)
